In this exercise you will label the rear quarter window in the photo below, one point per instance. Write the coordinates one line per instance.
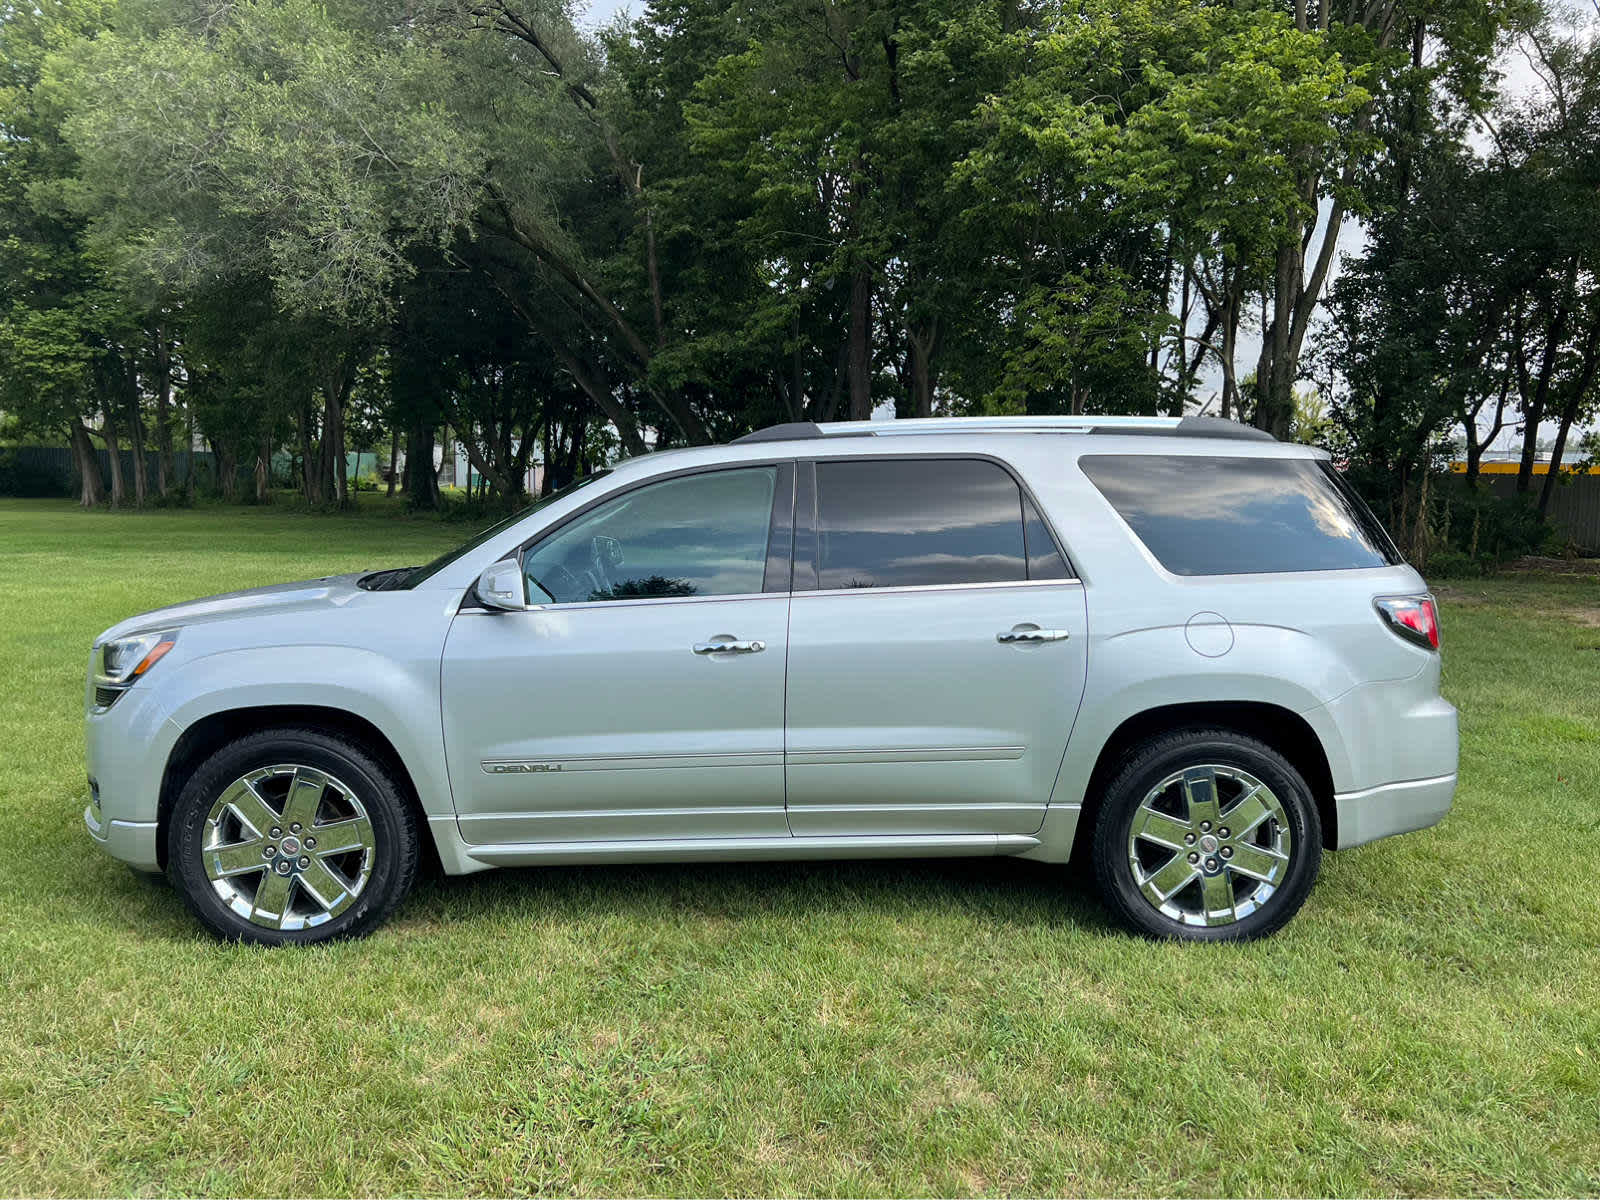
(1202, 515)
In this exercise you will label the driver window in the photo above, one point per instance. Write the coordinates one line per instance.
(700, 535)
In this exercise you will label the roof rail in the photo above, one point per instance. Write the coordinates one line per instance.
(1182, 426)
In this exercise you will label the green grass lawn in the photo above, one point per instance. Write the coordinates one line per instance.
(1429, 1024)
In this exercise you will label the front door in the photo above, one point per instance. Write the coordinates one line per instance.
(936, 651)
(642, 696)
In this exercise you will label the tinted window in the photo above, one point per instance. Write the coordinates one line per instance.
(700, 535)
(1044, 559)
(1225, 516)
(905, 523)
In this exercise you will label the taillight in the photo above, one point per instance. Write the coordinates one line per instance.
(1412, 617)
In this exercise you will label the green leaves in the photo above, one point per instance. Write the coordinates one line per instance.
(296, 141)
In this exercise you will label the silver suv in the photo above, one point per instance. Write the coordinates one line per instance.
(1176, 649)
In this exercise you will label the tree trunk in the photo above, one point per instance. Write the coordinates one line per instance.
(574, 465)
(226, 455)
(333, 437)
(310, 460)
(422, 485)
(922, 344)
(547, 479)
(1232, 299)
(166, 473)
(263, 472)
(861, 345)
(91, 490)
(1275, 374)
(1533, 414)
(141, 486)
(119, 492)
(394, 457)
(480, 463)
(1569, 412)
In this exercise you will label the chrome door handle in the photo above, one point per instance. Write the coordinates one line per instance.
(1033, 635)
(729, 647)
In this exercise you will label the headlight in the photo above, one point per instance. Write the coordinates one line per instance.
(122, 661)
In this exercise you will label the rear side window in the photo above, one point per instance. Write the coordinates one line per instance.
(920, 522)
(1239, 516)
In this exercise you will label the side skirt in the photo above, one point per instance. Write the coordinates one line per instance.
(460, 859)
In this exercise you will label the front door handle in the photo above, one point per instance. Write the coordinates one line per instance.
(1033, 635)
(729, 646)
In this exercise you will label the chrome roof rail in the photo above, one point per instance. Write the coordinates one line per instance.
(1181, 426)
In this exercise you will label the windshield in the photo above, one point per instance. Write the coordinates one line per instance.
(444, 560)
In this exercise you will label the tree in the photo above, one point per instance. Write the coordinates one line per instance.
(1476, 294)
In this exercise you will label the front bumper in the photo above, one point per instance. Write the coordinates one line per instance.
(126, 748)
(134, 842)
(1392, 808)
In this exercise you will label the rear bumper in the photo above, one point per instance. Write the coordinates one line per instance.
(1381, 812)
(134, 842)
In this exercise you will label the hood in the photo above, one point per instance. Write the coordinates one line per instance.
(304, 596)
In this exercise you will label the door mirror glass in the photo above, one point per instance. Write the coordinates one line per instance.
(500, 587)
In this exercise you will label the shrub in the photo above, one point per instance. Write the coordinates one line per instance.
(1494, 529)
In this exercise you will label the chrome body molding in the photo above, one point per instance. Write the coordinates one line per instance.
(906, 754)
(749, 849)
(629, 762)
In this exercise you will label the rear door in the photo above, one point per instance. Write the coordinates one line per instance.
(936, 650)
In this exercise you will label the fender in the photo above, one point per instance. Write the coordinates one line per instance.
(399, 703)
(1133, 672)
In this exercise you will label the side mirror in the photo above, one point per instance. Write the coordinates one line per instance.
(501, 587)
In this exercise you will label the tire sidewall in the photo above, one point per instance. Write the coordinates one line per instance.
(393, 832)
(1154, 763)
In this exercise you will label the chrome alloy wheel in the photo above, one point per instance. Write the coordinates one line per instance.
(288, 847)
(1209, 845)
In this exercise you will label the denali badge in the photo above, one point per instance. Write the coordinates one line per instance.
(519, 768)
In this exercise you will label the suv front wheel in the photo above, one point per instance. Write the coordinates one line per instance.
(1206, 835)
(292, 836)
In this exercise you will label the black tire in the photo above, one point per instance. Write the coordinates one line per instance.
(1158, 759)
(394, 836)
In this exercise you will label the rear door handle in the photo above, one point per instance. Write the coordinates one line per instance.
(730, 646)
(1033, 635)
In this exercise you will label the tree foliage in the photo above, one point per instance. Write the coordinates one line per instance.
(306, 225)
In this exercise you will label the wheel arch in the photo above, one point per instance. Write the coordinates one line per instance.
(1284, 730)
(211, 732)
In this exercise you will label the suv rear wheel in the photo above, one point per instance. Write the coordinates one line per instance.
(291, 836)
(1206, 835)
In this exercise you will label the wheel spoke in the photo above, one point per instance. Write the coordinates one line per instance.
(314, 872)
(1240, 832)
(325, 885)
(249, 806)
(340, 837)
(238, 859)
(1258, 862)
(1169, 879)
(305, 797)
(1200, 794)
(1157, 827)
(1248, 811)
(1217, 892)
(272, 900)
